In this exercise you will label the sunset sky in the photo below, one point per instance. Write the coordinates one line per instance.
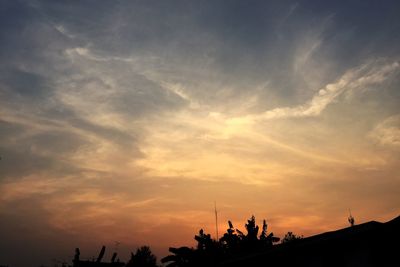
(125, 120)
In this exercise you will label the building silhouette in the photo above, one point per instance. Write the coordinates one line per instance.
(371, 244)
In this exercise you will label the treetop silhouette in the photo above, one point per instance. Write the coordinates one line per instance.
(232, 244)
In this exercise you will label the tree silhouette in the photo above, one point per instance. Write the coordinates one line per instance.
(252, 229)
(290, 237)
(180, 257)
(230, 241)
(204, 241)
(267, 239)
(142, 258)
(233, 243)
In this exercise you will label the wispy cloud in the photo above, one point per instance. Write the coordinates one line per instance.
(371, 73)
(387, 133)
(85, 52)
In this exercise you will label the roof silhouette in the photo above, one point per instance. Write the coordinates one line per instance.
(367, 244)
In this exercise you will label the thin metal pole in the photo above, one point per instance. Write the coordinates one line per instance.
(216, 218)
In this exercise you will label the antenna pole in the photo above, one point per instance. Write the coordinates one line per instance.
(216, 218)
(351, 218)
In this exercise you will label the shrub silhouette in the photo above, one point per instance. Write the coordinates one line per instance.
(142, 258)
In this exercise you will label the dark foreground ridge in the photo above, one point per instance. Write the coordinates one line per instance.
(77, 262)
(370, 244)
(142, 258)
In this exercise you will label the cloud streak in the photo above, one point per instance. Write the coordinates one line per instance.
(387, 133)
(369, 74)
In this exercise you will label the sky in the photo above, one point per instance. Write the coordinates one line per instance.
(126, 120)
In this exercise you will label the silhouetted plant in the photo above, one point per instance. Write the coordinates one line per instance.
(290, 237)
(251, 242)
(351, 220)
(204, 241)
(180, 257)
(252, 229)
(230, 240)
(142, 258)
(267, 239)
(210, 252)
